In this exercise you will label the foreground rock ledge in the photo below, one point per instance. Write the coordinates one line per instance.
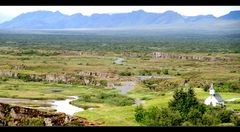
(20, 116)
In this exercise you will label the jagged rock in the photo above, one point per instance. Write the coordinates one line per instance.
(1, 115)
(16, 115)
(174, 56)
(87, 78)
(18, 67)
(68, 52)
(97, 74)
(48, 122)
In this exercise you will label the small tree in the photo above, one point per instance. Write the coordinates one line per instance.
(183, 101)
(165, 71)
(235, 119)
(210, 119)
(224, 115)
(194, 116)
(139, 114)
(155, 116)
(103, 83)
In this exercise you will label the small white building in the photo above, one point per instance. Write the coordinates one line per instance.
(214, 99)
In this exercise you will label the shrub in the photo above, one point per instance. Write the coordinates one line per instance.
(205, 88)
(187, 123)
(165, 71)
(178, 74)
(24, 77)
(155, 116)
(32, 122)
(139, 113)
(4, 79)
(103, 83)
(145, 73)
(210, 119)
(234, 87)
(86, 98)
(224, 115)
(183, 101)
(194, 116)
(184, 109)
(235, 119)
(109, 98)
(126, 73)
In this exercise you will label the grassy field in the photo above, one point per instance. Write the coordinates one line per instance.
(98, 53)
(122, 116)
(106, 114)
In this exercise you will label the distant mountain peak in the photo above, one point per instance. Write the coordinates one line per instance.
(171, 12)
(237, 11)
(56, 20)
(233, 15)
(140, 11)
(57, 12)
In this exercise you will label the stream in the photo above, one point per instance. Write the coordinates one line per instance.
(65, 106)
(125, 88)
(58, 105)
(69, 109)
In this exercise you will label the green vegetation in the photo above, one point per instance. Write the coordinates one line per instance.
(83, 65)
(162, 84)
(108, 98)
(126, 73)
(32, 122)
(185, 110)
(169, 42)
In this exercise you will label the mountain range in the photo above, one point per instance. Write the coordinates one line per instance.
(140, 19)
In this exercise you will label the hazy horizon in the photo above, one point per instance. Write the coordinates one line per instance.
(9, 12)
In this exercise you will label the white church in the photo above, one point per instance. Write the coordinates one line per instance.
(214, 99)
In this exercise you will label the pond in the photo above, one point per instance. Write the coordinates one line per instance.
(119, 61)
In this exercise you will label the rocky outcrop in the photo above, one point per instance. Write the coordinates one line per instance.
(98, 74)
(56, 78)
(161, 55)
(87, 79)
(20, 116)
(68, 52)
(134, 54)
(18, 67)
(7, 73)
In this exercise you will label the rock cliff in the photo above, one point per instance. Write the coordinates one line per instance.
(20, 116)
(161, 55)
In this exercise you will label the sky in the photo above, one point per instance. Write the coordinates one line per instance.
(9, 12)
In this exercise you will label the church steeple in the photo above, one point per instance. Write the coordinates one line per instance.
(212, 91)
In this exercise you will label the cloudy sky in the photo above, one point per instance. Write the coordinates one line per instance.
(8, 12)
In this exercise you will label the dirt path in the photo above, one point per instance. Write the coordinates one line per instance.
(233, 99)
(126, 87)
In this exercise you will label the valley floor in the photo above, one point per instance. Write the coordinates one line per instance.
(113, 104)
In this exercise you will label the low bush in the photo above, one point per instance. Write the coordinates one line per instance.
(32, 122)
(185, 110)
(108, 98)
(126, 73)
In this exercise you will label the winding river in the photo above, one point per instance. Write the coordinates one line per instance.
(58, 105)
(65, 106)
(69, 109)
